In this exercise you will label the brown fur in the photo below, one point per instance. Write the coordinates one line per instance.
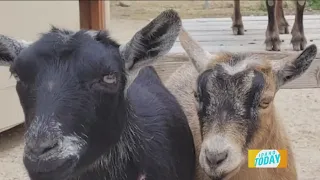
(281, 20)
(277, 24)
(270, 133)
(181, 84)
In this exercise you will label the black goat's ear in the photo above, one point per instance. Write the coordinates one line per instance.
(152, 41)
(10, 49)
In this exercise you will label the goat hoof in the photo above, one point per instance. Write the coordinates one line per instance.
(238, 29)
(299, 44)
(273, 44)
(272, 47)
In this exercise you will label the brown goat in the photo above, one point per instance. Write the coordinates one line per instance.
(234, 109)
(180, 84)
(276, 24)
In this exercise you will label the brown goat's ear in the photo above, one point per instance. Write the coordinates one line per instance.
(152, 41)
(198, 56)
(9, 49)
(293, 68)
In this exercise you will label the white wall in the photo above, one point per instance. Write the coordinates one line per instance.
(25, 20)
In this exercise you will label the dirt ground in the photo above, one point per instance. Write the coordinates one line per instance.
(142, 10)
(300, 109)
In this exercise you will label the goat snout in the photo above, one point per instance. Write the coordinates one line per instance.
(215, 158)
(220, 157)
(41, 148)
(42, 144)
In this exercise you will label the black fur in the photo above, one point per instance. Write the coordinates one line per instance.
(148, 124)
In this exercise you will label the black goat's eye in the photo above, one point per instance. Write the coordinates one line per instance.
(110, 79)
(109, 83)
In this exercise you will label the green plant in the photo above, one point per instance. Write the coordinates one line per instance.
(263, 6)
(314, 4)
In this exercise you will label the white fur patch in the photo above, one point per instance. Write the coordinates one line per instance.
(91, 33)
(242, 65)
(219, 143)
(67, 145)
(142, 177)
(24, 42)
(38, 125)
(50, 85)
(71, 146)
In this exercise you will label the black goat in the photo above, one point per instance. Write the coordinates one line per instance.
(92, 114)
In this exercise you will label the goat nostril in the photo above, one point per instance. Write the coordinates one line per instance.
(208, 159)
(38, 149)
(49, 148)
(215, 159)
(222, 156)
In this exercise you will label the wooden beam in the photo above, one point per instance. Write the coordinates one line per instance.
(85, 16)
(92, 14)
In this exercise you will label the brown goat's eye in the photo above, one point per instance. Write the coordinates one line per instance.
(110, 79)
(264, 103)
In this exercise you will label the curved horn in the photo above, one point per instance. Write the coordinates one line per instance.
(199, 57)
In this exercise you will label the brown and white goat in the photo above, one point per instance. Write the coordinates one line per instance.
(277, 24)
(234, 110)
